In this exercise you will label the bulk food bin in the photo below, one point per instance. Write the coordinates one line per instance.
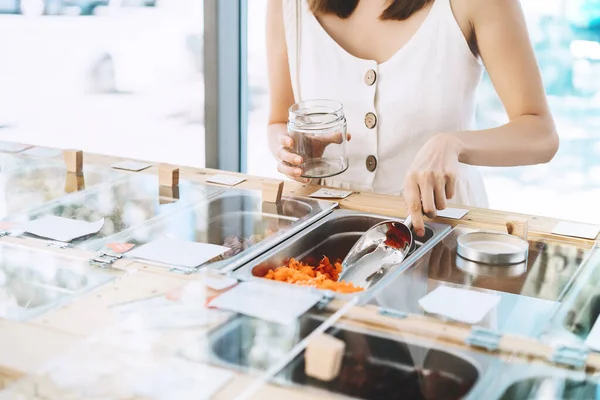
(124, 204)
(234, 218)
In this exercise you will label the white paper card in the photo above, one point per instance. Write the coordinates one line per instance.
(61, 229)
(593, 339)
(42, 152)
(219, 284)
(574, 229)
(270, 302)
(462, 305)
(228, 180)
(452, 213)
(177, 252)
(132, 166)
(178, 379)
(9, 147)
(325, 193)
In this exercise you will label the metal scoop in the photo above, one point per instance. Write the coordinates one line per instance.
(381, 247)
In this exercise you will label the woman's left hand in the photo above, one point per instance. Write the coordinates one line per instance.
(431, 179)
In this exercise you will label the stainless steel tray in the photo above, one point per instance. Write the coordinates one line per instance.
(126, 203)
(540, 382)
(333, 236)
(390, 361)
(233, 218)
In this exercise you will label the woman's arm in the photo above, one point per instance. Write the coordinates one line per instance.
(530, 135)
(281, 95)
(528, 138)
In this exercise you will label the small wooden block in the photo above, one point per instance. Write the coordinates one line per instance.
(168, 194)
(517, 226)
(168, 175)
(323, 357)
(74, 182)
(73, 160)
(272, 191)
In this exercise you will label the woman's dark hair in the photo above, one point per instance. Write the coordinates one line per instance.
(398, 10)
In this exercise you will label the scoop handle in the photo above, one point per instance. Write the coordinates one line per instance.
(408, 221)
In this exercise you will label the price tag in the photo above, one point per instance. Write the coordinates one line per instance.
(132, 166)
(62, 229)
(452, 213)
(464, 305)
(178, 252)
(325, 193)
(228, 180)
(281, 304)
(574, 229)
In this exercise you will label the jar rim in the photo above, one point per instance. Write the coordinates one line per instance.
(305, 108)
(335, 106)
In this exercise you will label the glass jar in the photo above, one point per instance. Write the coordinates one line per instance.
(318, 129)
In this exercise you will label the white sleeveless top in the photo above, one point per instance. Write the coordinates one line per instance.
(427, 87)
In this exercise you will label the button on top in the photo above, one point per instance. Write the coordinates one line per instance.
(370, 120)
(371, 163)
(370, 77)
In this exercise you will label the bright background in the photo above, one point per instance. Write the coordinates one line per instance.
(128, 80)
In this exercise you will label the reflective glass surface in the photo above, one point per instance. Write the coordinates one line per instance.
(529, 293)
(123, 204)
(235, 219)
(34, 281)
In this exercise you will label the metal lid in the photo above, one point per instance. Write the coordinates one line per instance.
(492, 248)
(495, 271)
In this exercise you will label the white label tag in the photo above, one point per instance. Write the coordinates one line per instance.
(281, 304)
(574, 229)
(452, 213)
(132, 166)
(325, 193)
(177, 252)
(228, 180)
(61, 229)
(462, 305)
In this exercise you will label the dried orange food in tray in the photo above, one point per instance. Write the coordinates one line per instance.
(324, 276)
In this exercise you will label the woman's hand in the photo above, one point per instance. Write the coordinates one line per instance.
(289, 162)
(293, 148)
(431, 179)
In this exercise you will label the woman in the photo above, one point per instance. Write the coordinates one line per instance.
(406, 72)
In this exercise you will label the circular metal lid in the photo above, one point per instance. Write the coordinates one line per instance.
(494, 271)
(492, 248)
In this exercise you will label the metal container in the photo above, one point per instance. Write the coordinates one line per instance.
(580, 308)
(492, 248)
(479, 269)
(541, 382)
(233, 218)
(124, 204)
(334, 236)
(36, 184)
(375, 365)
